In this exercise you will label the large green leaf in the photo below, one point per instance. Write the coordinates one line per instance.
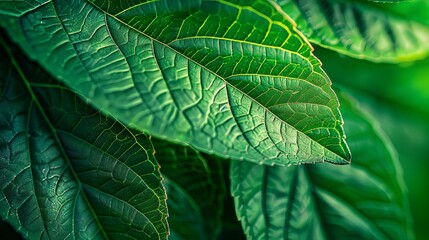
(195, 187)
(364, 200)
(362, 29)
(67, 171)
(233, 78)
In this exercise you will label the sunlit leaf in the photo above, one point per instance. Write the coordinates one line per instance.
(233, 78)
(362, 29)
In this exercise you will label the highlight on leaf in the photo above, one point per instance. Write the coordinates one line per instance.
(145, 104)
(232, 78)
(362, 29)
(321, 201)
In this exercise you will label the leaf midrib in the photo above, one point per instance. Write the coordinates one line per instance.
(27, 129)
(45, 117)
(316, 190)
(339, 158)
(127, 204)
(141, 181)
(224, 80)
(291, 201)
(358, 213)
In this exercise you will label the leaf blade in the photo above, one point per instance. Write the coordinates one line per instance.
(195, 186)
(360, 29)
(71, 158)
(365, 199)
(173, 61)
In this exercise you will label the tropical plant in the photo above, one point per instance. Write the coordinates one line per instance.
(113, 112)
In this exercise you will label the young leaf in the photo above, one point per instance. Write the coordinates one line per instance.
(361, 29)
(67, 171)
(364, 200)
(195, 187)
(231, 78)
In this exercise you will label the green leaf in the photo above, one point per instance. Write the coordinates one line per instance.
(195, 187)
(362, 29)
(231, 78)
(67, 171)
(389, 1)
(364, 200)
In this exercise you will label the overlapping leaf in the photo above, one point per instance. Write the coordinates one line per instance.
(364, 200)
(389, 1)
(362, 29)
(69, 172)
(233, 78)
(195, 187)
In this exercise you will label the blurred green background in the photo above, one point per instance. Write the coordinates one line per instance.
(398, 97)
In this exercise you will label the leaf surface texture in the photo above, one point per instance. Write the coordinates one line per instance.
(66, 170)
(363, 29)
(363, 200)
(233, 78)
(195, 187)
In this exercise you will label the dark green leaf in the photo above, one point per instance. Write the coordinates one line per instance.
(195, 187)
(227, 77)
(398, 96)
(364, 200)
(361, 29)
(67, 171)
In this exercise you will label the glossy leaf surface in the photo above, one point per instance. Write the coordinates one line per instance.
(66, 170)
(195, 187)
(362, 29)
(233, 78)
(364, 200)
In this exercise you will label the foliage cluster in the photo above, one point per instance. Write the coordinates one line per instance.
(146, 119)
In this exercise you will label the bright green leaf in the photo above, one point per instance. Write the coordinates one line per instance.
(389, 1)
(233, 78)
(195, 187)
(67, 171)
(364, 200)
(361, 29)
